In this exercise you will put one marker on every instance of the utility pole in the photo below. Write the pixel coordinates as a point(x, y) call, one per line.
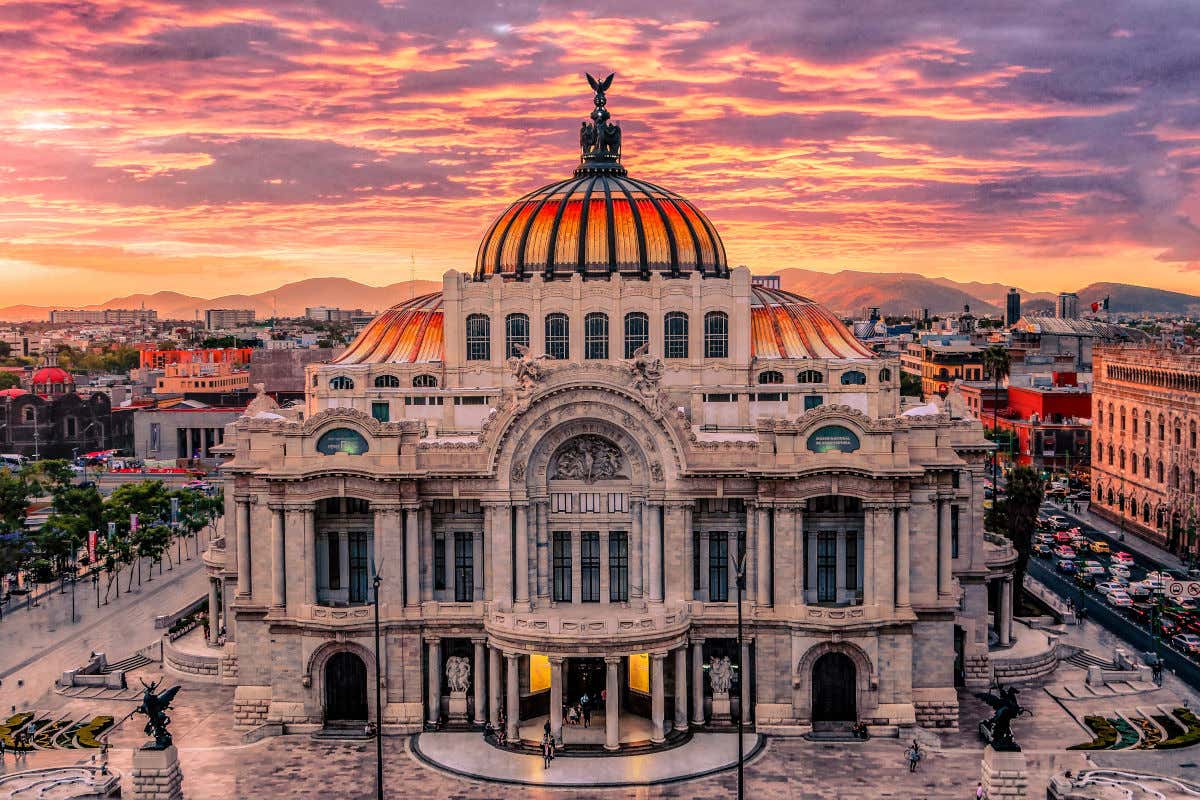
point(378, 696)
point(739, 568)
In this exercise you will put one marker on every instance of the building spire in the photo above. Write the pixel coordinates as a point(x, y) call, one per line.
point(600, 140)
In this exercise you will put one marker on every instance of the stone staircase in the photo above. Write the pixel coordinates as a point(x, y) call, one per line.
point(1084, 659)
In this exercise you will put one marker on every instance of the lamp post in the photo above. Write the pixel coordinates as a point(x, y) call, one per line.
point(378, 695)
point(739, 568)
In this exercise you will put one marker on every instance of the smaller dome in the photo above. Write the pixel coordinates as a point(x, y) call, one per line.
point(786, 325)
point(51, 375)
point(11, 393)
point(408, 333)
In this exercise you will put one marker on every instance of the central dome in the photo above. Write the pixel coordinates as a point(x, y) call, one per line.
point(601, 222)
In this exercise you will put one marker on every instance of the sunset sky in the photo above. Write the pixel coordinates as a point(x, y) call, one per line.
point(209, 147)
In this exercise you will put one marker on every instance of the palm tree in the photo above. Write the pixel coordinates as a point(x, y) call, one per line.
point(996, 365)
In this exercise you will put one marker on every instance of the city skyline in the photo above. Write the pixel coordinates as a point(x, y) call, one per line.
point(155, 147)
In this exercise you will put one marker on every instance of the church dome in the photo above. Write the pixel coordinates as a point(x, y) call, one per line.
point(786, 325)
point(47, 375)
point(601, 221)
point(408, 333)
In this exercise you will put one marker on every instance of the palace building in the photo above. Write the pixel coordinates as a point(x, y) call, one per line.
point(553, 470)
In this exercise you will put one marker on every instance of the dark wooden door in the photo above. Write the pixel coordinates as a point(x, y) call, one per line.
point(345, 688)
point(833, 688)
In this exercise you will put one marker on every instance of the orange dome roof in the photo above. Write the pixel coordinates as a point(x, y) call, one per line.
point(51, 375)
point(597, 223)
point(13, 392)
point(408, 333)
point(786, 325)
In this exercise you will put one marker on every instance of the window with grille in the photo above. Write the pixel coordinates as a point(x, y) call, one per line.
point(675, 335)
point(853, 378)
point(558, 336)
point(360, 562)
point(637, 332)
point(618, 566)
point(439, 563)
point(812, 401)
point(516, 332)
point(425, 382)
point(852, 561)
point(718, 567)
point(335, 561)
point(479, 337)
point(341, 383)
point(562, 566)
point(716, 334)
point(595, 336)
point(589, 567)
point(770, 376)
point(810, 376)
point(827, 567)
point(464, 567)
point(387, 382)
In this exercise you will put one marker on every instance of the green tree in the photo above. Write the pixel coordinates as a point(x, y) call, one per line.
point(5, 349)
point(197, 511)
point(150, 501)
point(50, 476)
point(9, 380)
point(15, 493)
point(1015, 515)
point(996, 366)
point(910, 385)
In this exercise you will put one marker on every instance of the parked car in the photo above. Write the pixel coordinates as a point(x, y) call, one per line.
point(1041, 549)
point(1092, 568)
point(1121, 557)
point(1100, 547)
point(1118, 599)
point(1187, 642)
point(1065, 566)
point(1064, 551)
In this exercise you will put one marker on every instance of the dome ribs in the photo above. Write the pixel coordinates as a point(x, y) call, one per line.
point(552, 244)
point(581, 253)
point(641, 231)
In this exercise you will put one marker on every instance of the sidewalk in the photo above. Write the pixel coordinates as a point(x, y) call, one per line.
point(1132, 542)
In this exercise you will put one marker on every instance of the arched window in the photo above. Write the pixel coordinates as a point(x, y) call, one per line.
point(1110, 416)
point(1110, 497)
point(1161, 518)
point(1133, 417)
point(1192, 481)
point(716, 335)
point(1099, 414)
point(770, 376)
point(595, 336)
point(1178, 433)
point(675, 335)
point(1146, 466)
point(1160, 472)
point(342, 440)
point(1122, 459)
point(479, 337)
point(1132, 507)
point(1146, 513)
point(1099, 494)
point(425, 381)
point(1162, 428)
point(558, 336)
point(1146, 426)
point(1122, 417)
point(810, 376)
point(637, 332)
point(853, 378)
point(1175, 477)
point(1192, 435)
point(1110, 455)
point(885, 375)
point(387, 382)
point(341, 383)
point(516, 333)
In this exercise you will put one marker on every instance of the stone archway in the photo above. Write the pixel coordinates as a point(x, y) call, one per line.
point(865, 697)
point(834, 688)
point(345, 682)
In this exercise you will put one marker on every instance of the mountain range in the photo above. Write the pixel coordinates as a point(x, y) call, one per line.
point(847, 292)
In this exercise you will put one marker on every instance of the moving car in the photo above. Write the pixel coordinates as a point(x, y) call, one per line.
point(1187, 642)
point(1168, 627)
point(1118, 599)
point(1119, 571)
point(1041, 549)
point(1100, 547)
point(1121, 557)
point(1063, 537)
point(1092, 568)
point(1107, 586)
point(1065, 566)
point(1059, 522)
point(1064, 551)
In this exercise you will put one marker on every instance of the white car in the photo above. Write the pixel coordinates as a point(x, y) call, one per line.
point(1119, 571)
point(1059, 522)
point(1109, 586)
point(1119, 600)
point(1092, 568)
point(1121, 557)
point(1161, 576)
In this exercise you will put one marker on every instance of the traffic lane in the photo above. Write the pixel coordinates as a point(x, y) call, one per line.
point(1140, 559)
point(1099, 611)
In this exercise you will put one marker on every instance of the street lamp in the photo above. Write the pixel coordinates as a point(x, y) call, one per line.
point(739, 569)
point(378, 695)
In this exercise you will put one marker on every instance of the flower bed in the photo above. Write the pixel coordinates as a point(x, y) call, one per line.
point(1186, 739)
point(1129, 736)
point(1105, 734)
point(86, 736)
point(11, 726)
point(1169, 724)
point(1151, 735)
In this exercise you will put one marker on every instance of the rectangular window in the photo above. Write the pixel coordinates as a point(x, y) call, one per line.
point(589, 567)
point(562, 566)
point(718, 567)
point(335, 561)
point(637, 332)
point(595, 336)
point(768, 397)
point(827, 567)
point(954, 531)
point(562, 502)
point(558, 336)
point(696, 566)
point(439, 563)
point(812, 401)
point(464, 568)
point(852, 560)
point(675, 335)
point(618, 566)
point(479, 338)
point(360, 562)
point(720, 397)
point(618, 503)
point(380, 411)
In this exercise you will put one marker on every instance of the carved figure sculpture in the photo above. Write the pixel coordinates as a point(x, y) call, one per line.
point(587, 458)
point(526, 368)
point(458, 673)
point(997, 731)
point(155, 706)
point(647, 370)
point(720, 675)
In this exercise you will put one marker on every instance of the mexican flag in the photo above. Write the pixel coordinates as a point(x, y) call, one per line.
point(1100, 304)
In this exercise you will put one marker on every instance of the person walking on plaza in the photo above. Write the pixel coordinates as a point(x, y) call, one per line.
point(979, 794)
point(585, 705)
point(547, 750)
point(914, 756)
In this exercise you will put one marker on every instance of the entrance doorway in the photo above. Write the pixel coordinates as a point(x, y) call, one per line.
point(345, 689)
point(585, 675)
point(833, 689)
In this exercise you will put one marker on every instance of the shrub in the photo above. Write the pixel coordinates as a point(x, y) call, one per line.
point(1190, 737)
point(1106, 734)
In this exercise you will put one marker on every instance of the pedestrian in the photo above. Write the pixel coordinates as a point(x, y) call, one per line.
point(1, 748)
point(546, 728)
point(913, 754)
point(979, 791)
point(547, 750)
point(586, 708)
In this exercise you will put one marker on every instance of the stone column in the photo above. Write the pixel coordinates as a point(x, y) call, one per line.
point(480, 676)
point(423, 552)
point(697, 682)
point(412, 556)
point(903, 569)
point(702, 556)
point(655, 545)
point(1004, 613)
point(612, 704)
point(435, 681)
point(310, 554)
point(745, 670)
point(945, 568)
point(751, 567)
point(214, 612)
point(278, 556)
point(556, 698)
point(156, 774)
point(635, 550)
point(884, 550)
point(521, 567)
point(494, 687)
point(801, 559)
point(500, 541)
point(543, 550)
point(839, 577)
point(477, 566)
point(681, 670)
point(765, 561)
point(514, 696)
point(685, 524)
point(243, 547)
point(657, 700)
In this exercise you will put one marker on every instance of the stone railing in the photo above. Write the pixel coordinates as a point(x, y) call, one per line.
point(572, 623)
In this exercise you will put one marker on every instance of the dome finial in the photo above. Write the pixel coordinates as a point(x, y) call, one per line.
point(600, 140)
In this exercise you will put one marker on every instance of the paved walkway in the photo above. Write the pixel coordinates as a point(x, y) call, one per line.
point(467, 755)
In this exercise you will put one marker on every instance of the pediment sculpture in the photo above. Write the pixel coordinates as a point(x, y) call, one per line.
point(587, 458)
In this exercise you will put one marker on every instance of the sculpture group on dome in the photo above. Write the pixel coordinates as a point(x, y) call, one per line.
point(600, 139)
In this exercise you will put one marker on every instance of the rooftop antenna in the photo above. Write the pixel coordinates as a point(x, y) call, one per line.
point(412, 275)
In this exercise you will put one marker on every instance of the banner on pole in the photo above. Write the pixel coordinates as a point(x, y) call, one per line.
point(91, 545)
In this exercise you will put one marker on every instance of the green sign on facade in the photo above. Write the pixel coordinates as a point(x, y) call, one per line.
point(833, 439)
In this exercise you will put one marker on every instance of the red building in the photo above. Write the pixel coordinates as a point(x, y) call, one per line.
point(1052, 424)
point(158, 359)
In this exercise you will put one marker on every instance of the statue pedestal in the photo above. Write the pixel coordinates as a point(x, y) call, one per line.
point(1004, 774)
point(720, 707)
point(156, 774)
point(458, 706)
